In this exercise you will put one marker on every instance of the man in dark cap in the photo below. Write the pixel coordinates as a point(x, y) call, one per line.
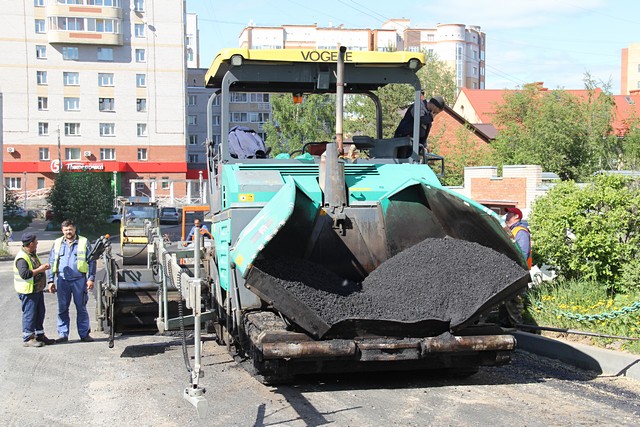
point(428, 110)
point(29, 281)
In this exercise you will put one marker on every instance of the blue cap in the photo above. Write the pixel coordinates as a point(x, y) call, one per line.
point(27, 238)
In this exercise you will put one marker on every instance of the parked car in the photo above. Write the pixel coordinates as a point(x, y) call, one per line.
point(169, 215)
point(115, 217)
point(14, 211)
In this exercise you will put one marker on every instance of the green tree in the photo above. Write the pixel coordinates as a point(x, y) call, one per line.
point(629, 150)
point(437, 78)
point(293, 125)
point(86, 198)
point(10, 200)
point(589, 232)
point(546, 128)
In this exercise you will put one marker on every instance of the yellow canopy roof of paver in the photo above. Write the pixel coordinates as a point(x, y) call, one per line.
point(309, 58)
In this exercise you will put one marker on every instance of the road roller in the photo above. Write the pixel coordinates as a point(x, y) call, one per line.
point(137, 213)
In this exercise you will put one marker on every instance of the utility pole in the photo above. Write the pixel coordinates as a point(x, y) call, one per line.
point(59, 156)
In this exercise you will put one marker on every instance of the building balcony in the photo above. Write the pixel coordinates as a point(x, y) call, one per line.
point(84, 37)
point(84, 24)
point(83, 11)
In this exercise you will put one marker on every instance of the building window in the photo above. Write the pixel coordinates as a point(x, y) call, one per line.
point(71, 79)
point(40, 183)
point(138, 5)
point(13, 183)
point(141, 104)
point(239, 117)
point(238, 97)
point(141, 129)
point(71, 104)
point(192, 100)
point(139, 30)
point(72, 153)
point(43, 153)
point(193, 139)
point(164, 183)
point(41, 77)
point(193, 158)
point(216, 139)
point(216, 101)
point(474, 73)
point(72, 129)
point(69, 53)
point(142, 154)
point(40, 26)
point(141, 80)
point(41, 51)
point(106, 104)
point(259, 97)
point(67, 24)
point(38, 3)
point(43, 128)
point(192, 120)
point(216, 120)
point(107, 129)
point(103, 25)
point(258, 117)
point(43, 103)
point(105, 79)
point(107, 154)
point(105, 54)
point(141, 55)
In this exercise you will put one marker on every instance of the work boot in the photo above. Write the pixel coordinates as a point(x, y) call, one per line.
point(87, 338)
point(32, 343)
point(62, 339)
point(46, 341)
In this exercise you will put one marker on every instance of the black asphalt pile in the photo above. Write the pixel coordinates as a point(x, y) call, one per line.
point(438, 279)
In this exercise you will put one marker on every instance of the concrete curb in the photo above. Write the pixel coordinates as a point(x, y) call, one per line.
point(581, 356)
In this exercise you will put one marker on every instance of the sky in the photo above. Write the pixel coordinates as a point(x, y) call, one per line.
point(551, 41)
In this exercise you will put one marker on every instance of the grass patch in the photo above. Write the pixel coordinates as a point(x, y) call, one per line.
point(586, 306)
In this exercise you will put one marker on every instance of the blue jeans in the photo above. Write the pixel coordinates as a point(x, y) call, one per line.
point(78, 290)
point(32, 314)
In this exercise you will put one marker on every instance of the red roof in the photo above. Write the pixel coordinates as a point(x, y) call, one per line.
point(627, 108)
point(485, 102)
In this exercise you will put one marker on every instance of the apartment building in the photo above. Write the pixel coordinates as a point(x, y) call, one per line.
point(94, 86)
point(197, 99)
point(461, 46)
point(630, 69)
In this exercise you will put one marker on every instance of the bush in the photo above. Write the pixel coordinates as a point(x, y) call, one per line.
point(589, 232)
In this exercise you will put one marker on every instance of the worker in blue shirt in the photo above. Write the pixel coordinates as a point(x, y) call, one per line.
point(74, 277)
point(204, 231)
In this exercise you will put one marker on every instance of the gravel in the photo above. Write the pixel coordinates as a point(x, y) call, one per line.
point(439, 279)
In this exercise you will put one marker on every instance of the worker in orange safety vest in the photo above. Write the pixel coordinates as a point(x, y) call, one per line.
point(520, 233)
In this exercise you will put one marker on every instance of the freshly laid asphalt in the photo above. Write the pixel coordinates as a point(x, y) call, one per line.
point(602, 361)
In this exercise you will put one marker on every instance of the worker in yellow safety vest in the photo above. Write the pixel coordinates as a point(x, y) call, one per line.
point(29, 281)
point(520, 233)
